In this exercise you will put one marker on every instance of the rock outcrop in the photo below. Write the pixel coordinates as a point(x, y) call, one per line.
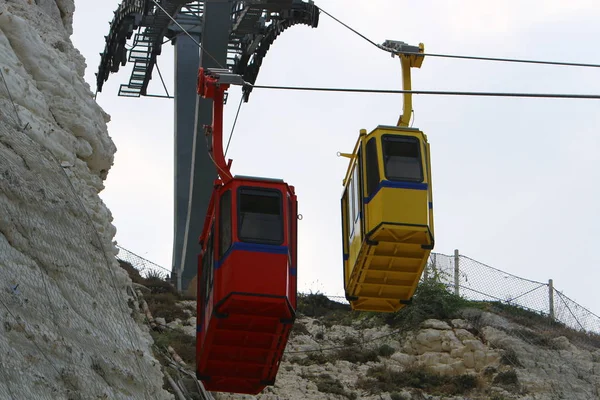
point(66, 330)
point(480, 355)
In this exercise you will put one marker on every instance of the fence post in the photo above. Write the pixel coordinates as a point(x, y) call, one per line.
point(551, 297)
point(456, 272)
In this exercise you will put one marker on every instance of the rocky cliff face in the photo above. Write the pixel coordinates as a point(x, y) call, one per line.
point(66, 330)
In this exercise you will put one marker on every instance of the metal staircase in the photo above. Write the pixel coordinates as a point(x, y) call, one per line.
point(135, 15)
point(141, 56)
point(148, 44)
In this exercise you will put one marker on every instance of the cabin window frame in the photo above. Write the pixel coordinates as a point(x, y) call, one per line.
point(208, 261)
point(350, 201)
point(420, 158)
point(260, 191)
point(372, 167)
point(225, 242)
point(346, 218)
point(356, 193)
point(354, 197)
point(289, 228)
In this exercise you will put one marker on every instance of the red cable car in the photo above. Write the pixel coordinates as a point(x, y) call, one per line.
point(247, 269)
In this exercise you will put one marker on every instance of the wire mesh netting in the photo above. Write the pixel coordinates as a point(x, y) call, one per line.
point(479, 282)
point(67, 328)
point(575, 315)
point(144, 266)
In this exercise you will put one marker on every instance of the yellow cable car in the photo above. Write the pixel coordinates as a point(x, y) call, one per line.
point(387, 208)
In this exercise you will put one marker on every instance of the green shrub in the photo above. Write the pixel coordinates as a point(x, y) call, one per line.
point(506, 378)
point(385, 350)
point(350, 341)
point(156, 274)
point(381, 379)
point(133, 273)
point(299, 329)
point(431, 300)
point(317, 305)
point(312, 358)
point(328, 384)
point(534, 338)
point(330, 313)
point(182, 343)
point(509, 357)
point(356, 355)
point(164, 305)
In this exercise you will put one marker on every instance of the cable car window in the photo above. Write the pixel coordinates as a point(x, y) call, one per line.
point(372, 167)
point(290, 216)
point(207, 266)
point(350, 203)
point(356, 194)
point(346, 216)
point(402, 158)
point(224, 223)
point(260, 217)
point(351, 210)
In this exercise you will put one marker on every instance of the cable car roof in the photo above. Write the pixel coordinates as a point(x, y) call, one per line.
point(397, 128)
point(256, 178)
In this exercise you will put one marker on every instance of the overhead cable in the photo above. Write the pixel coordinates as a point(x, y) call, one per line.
point(233, 126)
point(352, 29)
point(11, 98)
point(498, 59)
point(162, 80)
point(511, 60)
point(435, 92)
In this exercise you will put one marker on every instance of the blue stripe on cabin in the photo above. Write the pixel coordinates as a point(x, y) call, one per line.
point(253, 247)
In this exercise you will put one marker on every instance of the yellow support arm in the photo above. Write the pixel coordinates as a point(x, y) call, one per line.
point(410, 57)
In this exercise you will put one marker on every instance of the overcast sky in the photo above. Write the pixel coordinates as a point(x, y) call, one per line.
point(515, 180)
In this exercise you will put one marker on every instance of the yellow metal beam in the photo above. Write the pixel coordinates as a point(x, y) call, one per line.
point(408, 61)
point(363, 132)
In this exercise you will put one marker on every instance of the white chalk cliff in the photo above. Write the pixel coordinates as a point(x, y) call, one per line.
point(66, 330)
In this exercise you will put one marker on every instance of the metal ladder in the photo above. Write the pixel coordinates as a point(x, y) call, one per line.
point(148, 45)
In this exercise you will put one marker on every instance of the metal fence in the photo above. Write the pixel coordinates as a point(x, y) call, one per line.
point(479, 282)
point(473, 281)
point(144, 266)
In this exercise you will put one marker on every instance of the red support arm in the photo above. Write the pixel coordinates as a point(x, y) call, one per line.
point(209, 87)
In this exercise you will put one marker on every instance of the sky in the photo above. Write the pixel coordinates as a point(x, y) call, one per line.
point(514, 180)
